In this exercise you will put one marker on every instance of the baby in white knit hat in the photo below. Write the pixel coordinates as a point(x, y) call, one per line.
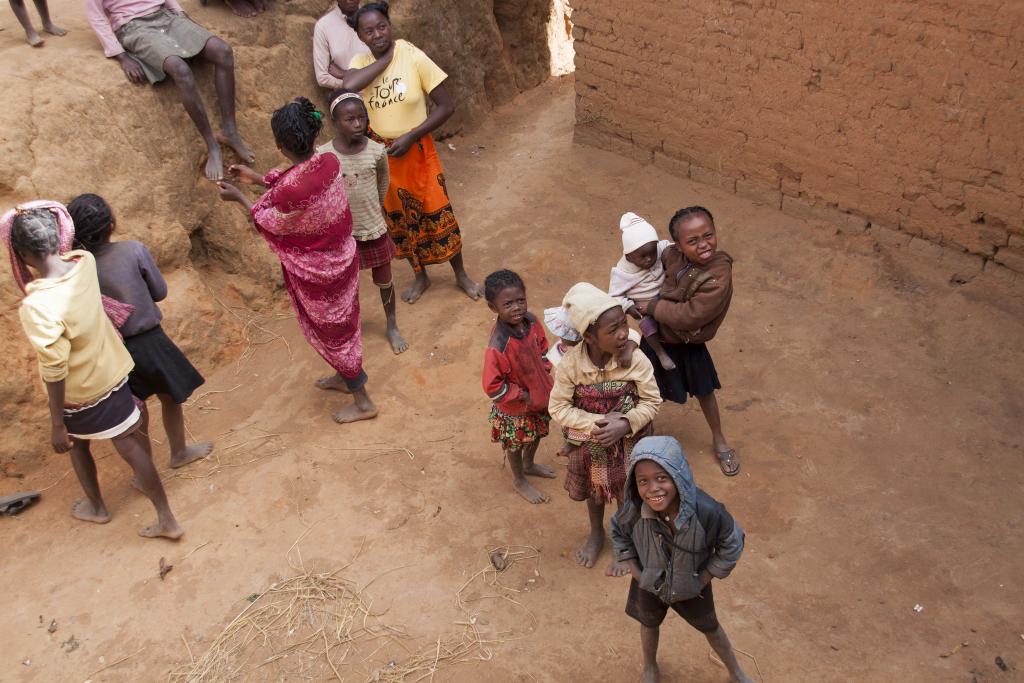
point(639, 274)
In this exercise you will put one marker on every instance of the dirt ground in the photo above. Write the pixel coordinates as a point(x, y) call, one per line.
point(876, 407)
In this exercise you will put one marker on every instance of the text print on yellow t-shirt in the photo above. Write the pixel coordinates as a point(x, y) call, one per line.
point(387, 92)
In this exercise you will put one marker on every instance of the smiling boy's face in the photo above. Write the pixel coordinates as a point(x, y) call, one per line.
point(656, 486)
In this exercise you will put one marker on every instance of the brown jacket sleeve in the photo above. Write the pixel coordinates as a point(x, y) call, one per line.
point(703, 307)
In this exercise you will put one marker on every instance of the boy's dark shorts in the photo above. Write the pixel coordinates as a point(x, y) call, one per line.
point(649, 610)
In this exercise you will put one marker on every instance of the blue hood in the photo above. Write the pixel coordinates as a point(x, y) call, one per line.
point(667, 452)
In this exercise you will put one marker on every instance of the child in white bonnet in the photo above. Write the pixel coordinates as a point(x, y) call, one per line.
point(639, 274)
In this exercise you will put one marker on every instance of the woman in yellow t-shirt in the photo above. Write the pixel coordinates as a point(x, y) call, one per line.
point(396, 79)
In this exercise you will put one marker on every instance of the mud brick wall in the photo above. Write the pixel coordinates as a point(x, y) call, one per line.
point(903, 117)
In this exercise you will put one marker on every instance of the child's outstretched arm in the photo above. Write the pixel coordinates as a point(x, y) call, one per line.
point(497, 386)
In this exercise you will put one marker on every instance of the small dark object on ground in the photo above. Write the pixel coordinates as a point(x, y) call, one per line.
point(1001, 664)
point(498, 560)
point(16, 502)
point(164, 568)
point(71, 644)
point(52, 628)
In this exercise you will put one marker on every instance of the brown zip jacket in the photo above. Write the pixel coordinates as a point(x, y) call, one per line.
point(693, 300)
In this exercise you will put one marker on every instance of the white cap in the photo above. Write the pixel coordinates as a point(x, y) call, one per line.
point(636, 232)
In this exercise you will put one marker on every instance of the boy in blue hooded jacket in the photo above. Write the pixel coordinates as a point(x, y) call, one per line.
point(675, 539)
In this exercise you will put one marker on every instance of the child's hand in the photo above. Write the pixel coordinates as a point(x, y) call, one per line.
point(59, 439)
point(611, 429)
point(230, 193)
point(635, 312)
point(625, 358)
point(132, 69)
point(641, 307)
point(244, 174)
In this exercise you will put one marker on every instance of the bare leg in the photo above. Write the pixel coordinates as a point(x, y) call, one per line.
point(21, 12)
point(395, 338)
point(422, 284)
point(91, 508)
point(590, 550)
point(659, 350)
point(471, 288)
point(723, 648)
point(174, 424)
point(649, 646)
point(132, 448)
point(709, 406)
point(223, 58)
point(181, 74)
point(48, 25)
point(530, 468)
point(519, 483)
point(362, 408)
point(333, 382)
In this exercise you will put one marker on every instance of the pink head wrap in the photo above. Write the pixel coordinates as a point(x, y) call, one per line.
point(117, 311)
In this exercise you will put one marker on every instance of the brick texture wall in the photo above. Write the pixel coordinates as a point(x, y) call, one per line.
point(904, 116)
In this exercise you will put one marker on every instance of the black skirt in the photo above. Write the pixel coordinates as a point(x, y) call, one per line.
point(160, 367)
point(694, 375)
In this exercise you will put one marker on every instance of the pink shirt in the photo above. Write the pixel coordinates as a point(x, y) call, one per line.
point(334, 41)
point(106, 16)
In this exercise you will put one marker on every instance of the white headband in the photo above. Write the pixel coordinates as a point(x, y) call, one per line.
point(344, 96)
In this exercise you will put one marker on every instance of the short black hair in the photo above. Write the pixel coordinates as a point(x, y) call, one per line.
point(93, 221)
point(296, 126)
point(501, 280)
point(382, 7)
point(35, 232)
point(685, 213)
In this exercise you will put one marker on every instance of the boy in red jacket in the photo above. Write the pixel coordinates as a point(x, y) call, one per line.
point(517, 377)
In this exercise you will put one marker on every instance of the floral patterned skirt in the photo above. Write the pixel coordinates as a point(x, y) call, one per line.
point(515, 431)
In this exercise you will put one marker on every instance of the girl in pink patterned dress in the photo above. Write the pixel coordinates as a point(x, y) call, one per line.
point(305, 218)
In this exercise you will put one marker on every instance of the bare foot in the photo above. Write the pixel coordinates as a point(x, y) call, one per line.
point(196, 451)
point(333, 382)
point(214, 163)
point(171, 531)
point(526, 490)
point(83, 509)
point(34, 39)
point(666, 362)
point(616, 569)
point(471, 288)
point(235, 142)
point(54, 30)
point(742, 678)
point(422, 284)
point(591, 548)
point(353, 413)
point(397, 341)
point(651, 674)
point(242, 8)
point(536, 470)
point(566, 450)
point(260, 5)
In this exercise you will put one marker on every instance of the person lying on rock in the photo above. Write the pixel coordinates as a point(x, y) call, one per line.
point(152, 39)
point(335, 44)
